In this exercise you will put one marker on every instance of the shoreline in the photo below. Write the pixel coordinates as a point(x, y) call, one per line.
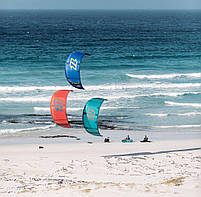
point(80, 136)
point(170, 167)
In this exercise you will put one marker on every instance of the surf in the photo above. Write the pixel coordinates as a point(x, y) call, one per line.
point(178, 126)
point(183, 104)
point(11, 89)
point(166, 76)
point(12, 131)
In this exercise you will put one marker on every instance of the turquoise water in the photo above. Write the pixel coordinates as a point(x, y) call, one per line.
point(146, 63)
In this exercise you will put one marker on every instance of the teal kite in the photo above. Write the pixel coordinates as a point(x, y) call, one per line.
point(90, 115)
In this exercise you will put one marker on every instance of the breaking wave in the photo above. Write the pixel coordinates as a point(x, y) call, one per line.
point(178, 126)
point(166, 76)
point(158, 115)
point(174, 114)
point(42, 99)
point(10, 131)
point(47, 109)
point(11, 89)
point(183, 104)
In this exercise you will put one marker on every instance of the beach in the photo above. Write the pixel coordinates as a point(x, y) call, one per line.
point(144, 64)
point(159, 168)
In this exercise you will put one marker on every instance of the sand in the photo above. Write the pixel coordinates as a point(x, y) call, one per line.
point(160, 168)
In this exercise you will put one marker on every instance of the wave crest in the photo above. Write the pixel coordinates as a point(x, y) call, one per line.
point(174, 114)
point(10, 131)
point(178, 126)
point(183, 104)
point(11, 89)
point(166, 76)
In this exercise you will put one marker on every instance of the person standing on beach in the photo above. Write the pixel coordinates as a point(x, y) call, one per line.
point(107, 139)
point(128, 137)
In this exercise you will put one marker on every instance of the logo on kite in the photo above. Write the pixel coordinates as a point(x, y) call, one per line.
point(58, 108)
point(73, 64)
point(72, 69)
point(90, 115)
point(58, 105)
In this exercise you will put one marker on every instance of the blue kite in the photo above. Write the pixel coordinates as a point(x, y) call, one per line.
point(72, 69)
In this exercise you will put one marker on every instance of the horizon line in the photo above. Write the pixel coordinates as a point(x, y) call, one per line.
point(108, 9)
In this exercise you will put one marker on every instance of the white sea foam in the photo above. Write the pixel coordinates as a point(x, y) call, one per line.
point(189, 114)
point(174, 114)
point(166, 76)
point(26, 99)
point(47, 109)
point(41, 99)
point(30, 88)
point(44, 109)
point(171, 94)
point(178, 126)
point(11, 89)
point(158, 115)
point(145, 85)
point(81, 97)
point(183, 104)
point(10, 131)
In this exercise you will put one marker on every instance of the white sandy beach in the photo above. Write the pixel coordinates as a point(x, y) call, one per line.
point(160, 168)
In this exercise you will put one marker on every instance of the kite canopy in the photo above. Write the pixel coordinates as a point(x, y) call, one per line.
point(58, 108)
point(90, 115)
point(72, 69)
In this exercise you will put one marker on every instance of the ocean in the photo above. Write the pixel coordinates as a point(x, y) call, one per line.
point(146, 63)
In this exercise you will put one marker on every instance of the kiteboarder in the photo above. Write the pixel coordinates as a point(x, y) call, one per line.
point(128, 137)
point(146, 139)
point(107, 139)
